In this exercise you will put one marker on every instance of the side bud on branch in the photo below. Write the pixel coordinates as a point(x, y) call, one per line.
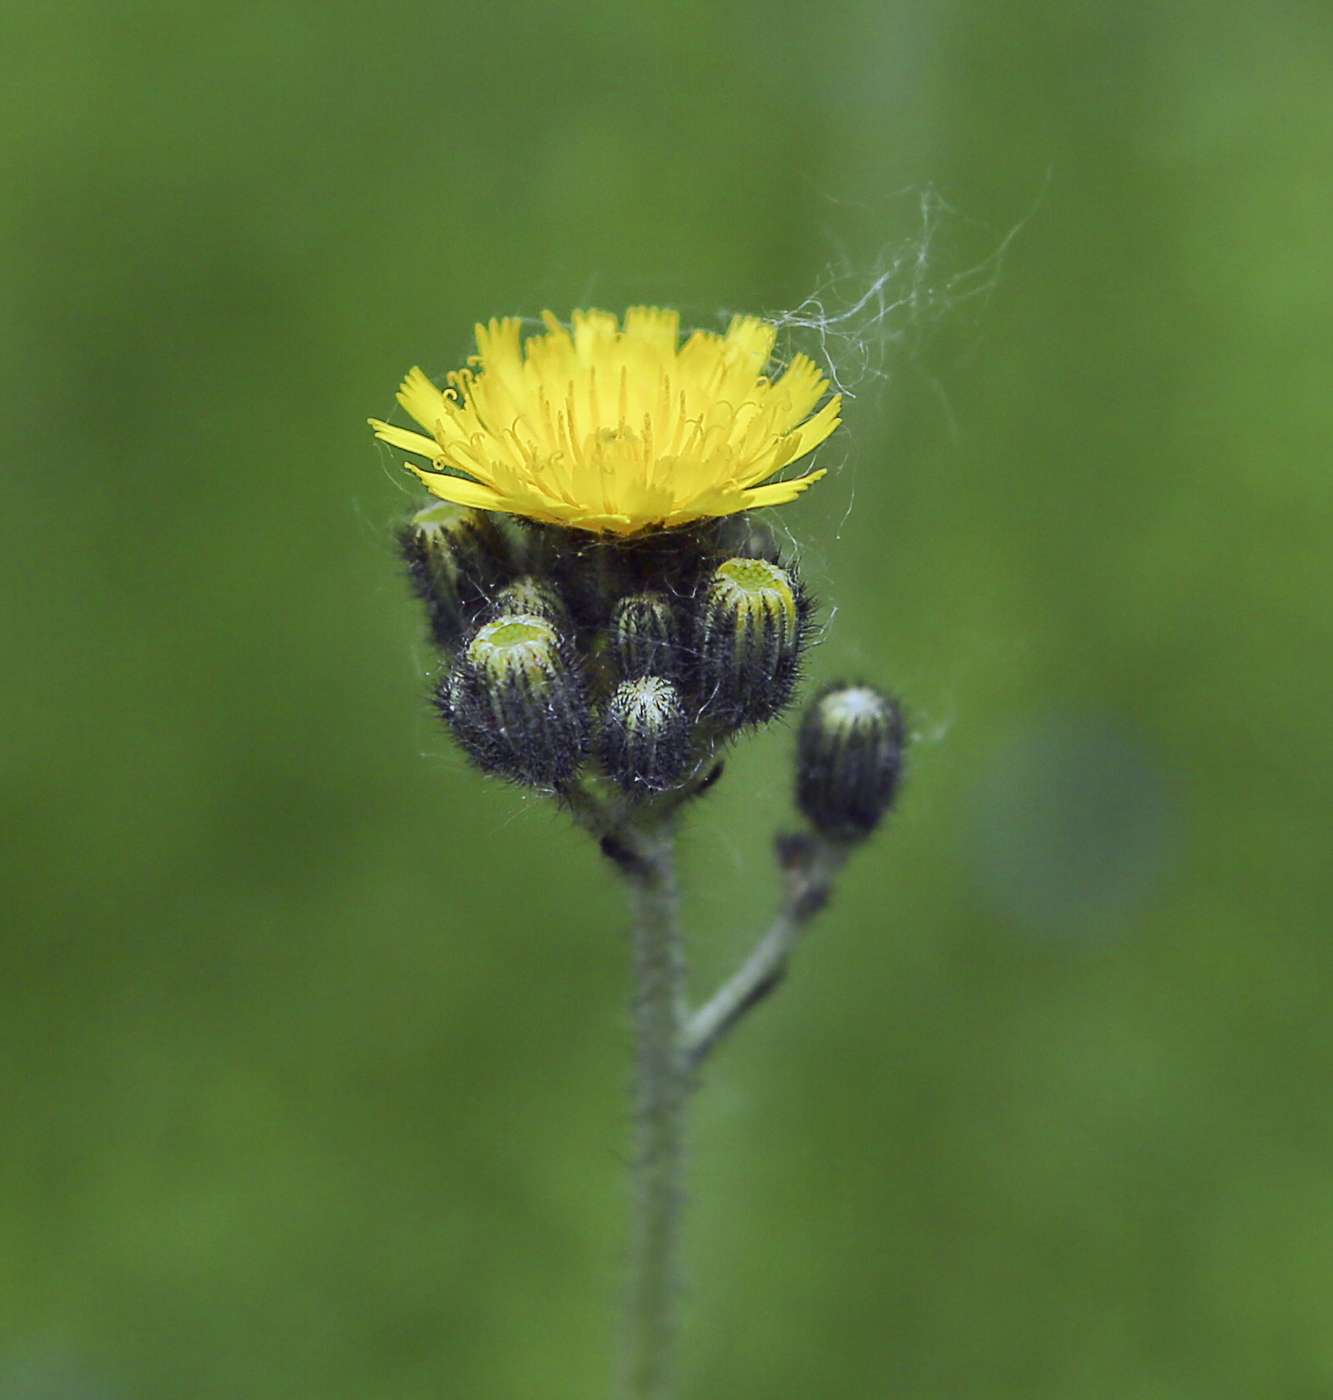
point(516, 702)
point(750, 631)
point(645, 742)
point(849, 760)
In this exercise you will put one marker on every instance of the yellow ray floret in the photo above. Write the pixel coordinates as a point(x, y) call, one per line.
point(615, 429)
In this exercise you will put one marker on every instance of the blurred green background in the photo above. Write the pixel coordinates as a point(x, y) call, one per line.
point(312, 1042)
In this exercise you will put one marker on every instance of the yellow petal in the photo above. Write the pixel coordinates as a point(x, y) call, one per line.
point(405, 439)
point(801, 386)
point(754, 337)
point(658, 329)
point(498, 344)
point(616, 426)
point(422, 400)
point(779, 492)
point(594, 335)
point(811, 433)
point(458, 490)
point(612, 524)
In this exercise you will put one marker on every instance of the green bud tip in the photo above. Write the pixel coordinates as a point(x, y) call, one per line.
point(518, 643)
point(532, 596)
point(750, 630)
point(515, 701)
point(444, 518)
point(755, 588)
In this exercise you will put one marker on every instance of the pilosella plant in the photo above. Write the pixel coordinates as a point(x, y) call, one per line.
point(611, 617)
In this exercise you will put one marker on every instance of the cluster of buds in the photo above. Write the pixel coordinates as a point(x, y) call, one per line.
point(568, 653)
point(604, 634)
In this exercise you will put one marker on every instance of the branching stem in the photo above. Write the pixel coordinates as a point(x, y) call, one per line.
point(809, 867)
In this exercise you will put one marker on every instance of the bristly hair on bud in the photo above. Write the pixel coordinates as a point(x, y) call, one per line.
point(530, 594)
point(751, 625)
point(455, 556)
point(515, 701)
point(644, 636)
point(645, 739)
point(849, 760)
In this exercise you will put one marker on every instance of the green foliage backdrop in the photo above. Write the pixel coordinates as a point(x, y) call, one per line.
point(312, 1043)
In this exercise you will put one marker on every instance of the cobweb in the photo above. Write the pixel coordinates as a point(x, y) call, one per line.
point(858, 314)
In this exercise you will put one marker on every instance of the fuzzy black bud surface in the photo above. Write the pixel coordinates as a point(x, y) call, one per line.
point(849, 760)
point(516, 701)
point(750, 629)
point(645, 739)
point(749, 537)
point(454, 556)
point(529, 594)
point(644, 636)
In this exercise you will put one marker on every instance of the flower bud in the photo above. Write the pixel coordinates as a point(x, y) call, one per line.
point(645, 741)
point(590, 572)
point(748, 536)
point(516, 703)
point(749, 633)
point(644, 636)
point(531, 595)
point(453, 556)
point(849, 760)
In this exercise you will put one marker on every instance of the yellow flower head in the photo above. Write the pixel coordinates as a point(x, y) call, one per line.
point(616, 430)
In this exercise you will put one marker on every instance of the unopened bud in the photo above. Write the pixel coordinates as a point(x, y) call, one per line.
point(531, 595)
point(453, 556)
point(516, 703)
point(749, 634)
point(748, 536)
point(849, 760)
point(644, 636)
point(645, 743)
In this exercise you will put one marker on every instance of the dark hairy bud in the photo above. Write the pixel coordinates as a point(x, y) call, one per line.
point(750, 629)
point(644, 636)
point(849, 760)
point(516, 703)
point(531, 595)
point(748, 536)
point(453, 555)
point(645, 739)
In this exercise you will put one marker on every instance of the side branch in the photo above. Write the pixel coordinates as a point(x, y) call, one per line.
point(809, 866)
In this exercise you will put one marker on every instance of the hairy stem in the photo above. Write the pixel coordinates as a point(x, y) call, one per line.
point(659, 1117)
point(809, 866)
